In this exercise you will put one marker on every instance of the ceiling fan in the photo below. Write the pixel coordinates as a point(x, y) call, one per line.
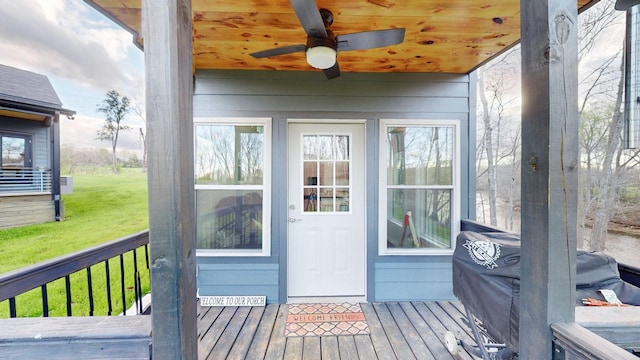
point(323, 45)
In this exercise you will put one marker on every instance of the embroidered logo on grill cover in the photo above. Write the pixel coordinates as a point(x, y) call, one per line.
point(483, 253)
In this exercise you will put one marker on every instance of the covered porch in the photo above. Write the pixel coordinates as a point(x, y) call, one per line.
point(176, 45)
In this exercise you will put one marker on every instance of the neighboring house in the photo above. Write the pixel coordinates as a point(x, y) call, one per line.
point(30, 137)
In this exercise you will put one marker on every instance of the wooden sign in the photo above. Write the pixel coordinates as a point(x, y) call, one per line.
point(233, 300)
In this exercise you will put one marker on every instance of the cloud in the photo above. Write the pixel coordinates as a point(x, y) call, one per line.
point(63, 38)
point(83, 54)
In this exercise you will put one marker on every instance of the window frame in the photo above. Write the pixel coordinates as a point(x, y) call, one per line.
point(383, 186)
point(266, 123)
point(28, 151)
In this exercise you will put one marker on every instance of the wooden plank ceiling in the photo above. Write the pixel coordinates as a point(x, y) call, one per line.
point(453, 36)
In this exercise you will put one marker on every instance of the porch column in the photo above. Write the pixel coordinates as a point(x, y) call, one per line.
point(167, 47)
point(55, 165)
point(549, 171)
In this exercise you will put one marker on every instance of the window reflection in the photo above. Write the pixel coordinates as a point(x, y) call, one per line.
point(13, 152)
point(229, 154)
point(230, 187)
point(419, 181)
point(420, 156)
point(326, 173)
point(229, 219)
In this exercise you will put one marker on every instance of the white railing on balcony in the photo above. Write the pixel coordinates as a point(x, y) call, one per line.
point(25, 181)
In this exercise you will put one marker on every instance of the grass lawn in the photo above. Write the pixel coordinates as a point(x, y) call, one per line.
point(102, 208)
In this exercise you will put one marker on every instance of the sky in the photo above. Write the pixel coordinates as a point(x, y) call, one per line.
point(84, 55)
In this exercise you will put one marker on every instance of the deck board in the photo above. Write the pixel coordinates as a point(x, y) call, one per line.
point(311, 349)
point(246, 335)
point(347, 348)
point(329, 345)
point(224, 344)
point(398, 330)
point(379, 339)
point(262, 335)
point(277, 341)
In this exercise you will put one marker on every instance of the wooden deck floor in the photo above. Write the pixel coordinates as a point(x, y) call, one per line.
point(399, 330)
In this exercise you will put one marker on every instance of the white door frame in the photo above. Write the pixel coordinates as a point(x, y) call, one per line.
point(315, 298)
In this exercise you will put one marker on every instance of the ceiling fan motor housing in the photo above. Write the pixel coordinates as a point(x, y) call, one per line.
point(321, 53)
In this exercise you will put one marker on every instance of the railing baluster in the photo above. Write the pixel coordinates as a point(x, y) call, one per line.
point(12, 307)
point(146, 255)
point(139, 289)
point(136, 278)
point(107, 276)
point(90, 291)
point(124, 302)
point(67, 286)
point(45, 301)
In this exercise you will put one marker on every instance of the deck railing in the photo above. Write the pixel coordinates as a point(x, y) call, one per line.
point(25, 180)
point(95, 263)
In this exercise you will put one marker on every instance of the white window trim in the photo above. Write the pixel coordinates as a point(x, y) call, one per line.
point(382, 187)
point(266, 187)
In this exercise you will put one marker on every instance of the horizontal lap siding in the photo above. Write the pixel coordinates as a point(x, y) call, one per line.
point(238, 279)
point(25, 210)
point(404, 281)
point(268, 92)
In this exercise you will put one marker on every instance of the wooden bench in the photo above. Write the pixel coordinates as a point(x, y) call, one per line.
point(619, 325)
point(107, 337)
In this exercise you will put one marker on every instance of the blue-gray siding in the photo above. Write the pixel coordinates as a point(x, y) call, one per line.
point(238, 279)
point(284, 95)
point(401, 281)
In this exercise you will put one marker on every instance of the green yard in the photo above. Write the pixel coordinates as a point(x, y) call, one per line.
point(103, 207)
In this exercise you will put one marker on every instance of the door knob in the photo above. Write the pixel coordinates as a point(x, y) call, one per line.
point(292, 219)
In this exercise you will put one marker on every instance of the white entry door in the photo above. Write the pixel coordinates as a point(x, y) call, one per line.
point(326, 228)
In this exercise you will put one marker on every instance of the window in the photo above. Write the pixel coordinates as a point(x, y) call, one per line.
point(418, 187)
point(232, 177)
point(16, 152)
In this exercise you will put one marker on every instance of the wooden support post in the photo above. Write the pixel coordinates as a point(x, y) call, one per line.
point(167, 46)
point(549, 171)
point(55, 166)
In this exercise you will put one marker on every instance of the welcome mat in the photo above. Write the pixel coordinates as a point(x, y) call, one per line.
point(325, 320)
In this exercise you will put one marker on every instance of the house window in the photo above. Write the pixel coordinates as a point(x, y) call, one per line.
point(16, 152)
point(232, 177)
point(418, 187)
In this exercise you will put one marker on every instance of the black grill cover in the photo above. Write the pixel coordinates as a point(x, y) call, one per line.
point(486, 279)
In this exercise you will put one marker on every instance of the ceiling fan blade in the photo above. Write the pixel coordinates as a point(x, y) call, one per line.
point(370, 39)
point(279, 51)
point(626, 4)
point(309, 16)
point(332, 72)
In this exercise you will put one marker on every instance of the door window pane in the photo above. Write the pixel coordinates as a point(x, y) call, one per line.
point(326, 173)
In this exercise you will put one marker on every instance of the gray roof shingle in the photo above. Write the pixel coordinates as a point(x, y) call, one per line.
point(28, 88)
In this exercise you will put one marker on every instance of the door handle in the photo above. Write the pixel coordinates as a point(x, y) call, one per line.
point(292, 220)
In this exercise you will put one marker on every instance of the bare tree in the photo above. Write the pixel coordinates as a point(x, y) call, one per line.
point(115, 109)
point(138, 109)
point(494, 84)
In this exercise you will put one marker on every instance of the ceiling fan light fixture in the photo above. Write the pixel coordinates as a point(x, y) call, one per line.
point(321, 57)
